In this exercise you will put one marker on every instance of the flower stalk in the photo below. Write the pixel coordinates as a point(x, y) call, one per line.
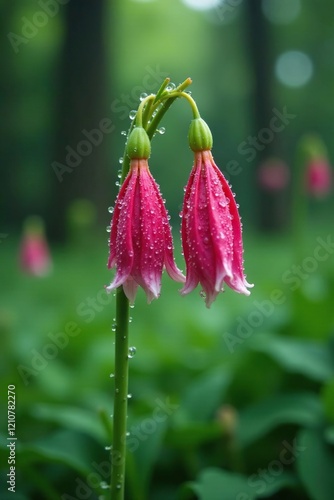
point(149, 115)
point(141, 242)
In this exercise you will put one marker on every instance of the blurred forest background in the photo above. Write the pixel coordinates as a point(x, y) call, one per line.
point(251, 375)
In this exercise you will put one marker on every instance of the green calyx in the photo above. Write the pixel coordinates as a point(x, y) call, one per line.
point(200, 137)
point(139, 145)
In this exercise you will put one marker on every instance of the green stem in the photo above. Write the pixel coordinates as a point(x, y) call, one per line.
point(118, 454)
point(191, 102)
point(165, 106)
point(299, 204)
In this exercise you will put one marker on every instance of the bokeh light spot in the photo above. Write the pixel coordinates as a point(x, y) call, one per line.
point(281, 11)
point(294, 68)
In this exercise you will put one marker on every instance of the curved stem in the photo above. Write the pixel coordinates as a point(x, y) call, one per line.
point(166, 105)
point(191, 102)
point(118, 453)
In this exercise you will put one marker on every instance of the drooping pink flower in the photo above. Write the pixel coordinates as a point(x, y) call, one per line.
point(211, 232)
point(318, 177)
point(141, 241)
point(35, 256)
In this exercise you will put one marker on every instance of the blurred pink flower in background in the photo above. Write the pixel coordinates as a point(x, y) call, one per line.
point(273, 174)
point(34, 254)
point(318, 177)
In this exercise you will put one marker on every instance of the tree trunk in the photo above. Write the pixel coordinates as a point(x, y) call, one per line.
point(84, 126)
point(271, 205)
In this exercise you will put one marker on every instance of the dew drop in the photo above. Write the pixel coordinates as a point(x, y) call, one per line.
point(171, 86)
point(108, 229)
point(143, 96)
point(132, 306)
point(161, 130)
point(107, 448)
point(132, 114)
point(110, 210)
point(112, 375)
point(132, 352)
point(127, 434)
point(104, 485)
point(130, 319)
point(123, 132)
point(129, 396)
point(120, 160)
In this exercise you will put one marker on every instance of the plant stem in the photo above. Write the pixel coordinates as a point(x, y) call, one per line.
point(118, 453)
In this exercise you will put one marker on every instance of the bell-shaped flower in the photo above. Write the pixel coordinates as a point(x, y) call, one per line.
point(211, 227)
point(141, 243)
point(35, 258)
point(318, 177)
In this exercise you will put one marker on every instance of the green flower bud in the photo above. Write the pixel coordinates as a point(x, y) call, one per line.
point(139, 145)
point(200, 137)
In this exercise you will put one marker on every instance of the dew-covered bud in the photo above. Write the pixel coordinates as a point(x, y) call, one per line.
point(200, 137)
point(139, 145)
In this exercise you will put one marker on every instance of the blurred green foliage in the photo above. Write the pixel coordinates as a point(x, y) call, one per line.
point(231, 403)
point(217, 395)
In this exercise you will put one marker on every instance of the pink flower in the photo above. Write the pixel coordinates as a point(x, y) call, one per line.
point(273, 175)
point(141, 240)
point(318, 177)
point(34, 251)
point(211, 232)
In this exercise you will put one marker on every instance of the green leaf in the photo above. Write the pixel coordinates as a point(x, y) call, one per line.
point(144, 445)
point(205, 395)
point(194, 434)
point(315, 464)
point(78, 419)
point(298, 408)
point(215, 484)
point(63, 447)
point(328, 400)
point(312, 359)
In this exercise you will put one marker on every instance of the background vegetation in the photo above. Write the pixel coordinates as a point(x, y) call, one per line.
point(231, 403)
